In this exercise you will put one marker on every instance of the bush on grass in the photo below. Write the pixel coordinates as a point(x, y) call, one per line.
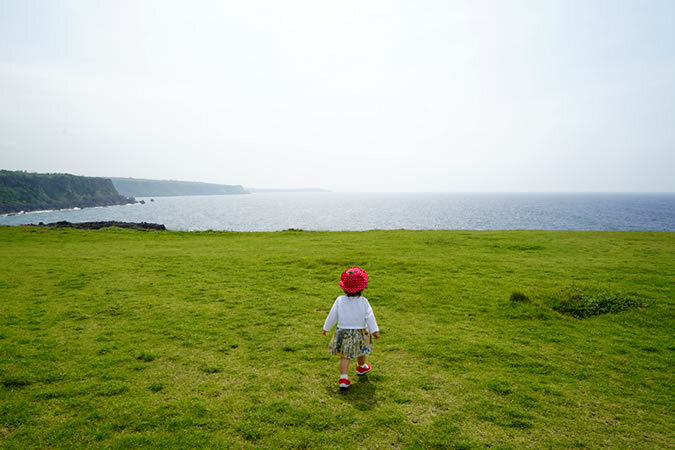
point(581, 304)
point(146, 357)
point(519, 297)
point(15, 381)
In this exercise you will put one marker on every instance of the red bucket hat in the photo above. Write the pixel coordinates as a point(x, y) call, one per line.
point(354, 279)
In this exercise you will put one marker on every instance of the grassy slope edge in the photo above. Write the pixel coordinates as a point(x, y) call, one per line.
point(128, 338)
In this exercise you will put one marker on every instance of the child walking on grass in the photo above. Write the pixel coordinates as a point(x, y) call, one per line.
point(356, 325)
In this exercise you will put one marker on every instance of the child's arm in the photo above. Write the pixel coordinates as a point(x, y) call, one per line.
point(371, 323)
point(332, 318)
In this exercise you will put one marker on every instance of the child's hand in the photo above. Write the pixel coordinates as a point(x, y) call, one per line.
point(324, 332)
point(376, 334)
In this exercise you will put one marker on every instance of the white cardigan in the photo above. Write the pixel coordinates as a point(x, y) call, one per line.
point(351, 313)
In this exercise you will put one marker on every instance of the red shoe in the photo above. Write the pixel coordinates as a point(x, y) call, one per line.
point(344, 383)
point(362, 370)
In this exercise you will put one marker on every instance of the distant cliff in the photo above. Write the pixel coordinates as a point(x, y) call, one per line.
point(272, 191)
point(23, 191)
point(137, 187)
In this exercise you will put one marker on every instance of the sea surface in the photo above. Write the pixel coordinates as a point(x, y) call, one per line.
point(416, 211)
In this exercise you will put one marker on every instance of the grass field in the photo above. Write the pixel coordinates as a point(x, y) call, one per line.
point(118, 338)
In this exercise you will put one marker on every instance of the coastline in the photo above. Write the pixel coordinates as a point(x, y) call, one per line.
point(360, 212)
point(69, 206)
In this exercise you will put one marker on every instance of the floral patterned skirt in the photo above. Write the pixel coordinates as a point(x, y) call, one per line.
point(348, 343)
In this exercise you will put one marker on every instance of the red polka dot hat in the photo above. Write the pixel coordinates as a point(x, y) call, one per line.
point(354, 279)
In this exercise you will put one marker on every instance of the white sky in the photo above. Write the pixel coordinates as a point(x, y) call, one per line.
point(572, 95)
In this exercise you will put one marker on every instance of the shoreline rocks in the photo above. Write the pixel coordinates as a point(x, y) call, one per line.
point(98, 225)
point(58, 205)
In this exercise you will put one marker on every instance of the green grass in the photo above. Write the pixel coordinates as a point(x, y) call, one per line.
point(120, 338)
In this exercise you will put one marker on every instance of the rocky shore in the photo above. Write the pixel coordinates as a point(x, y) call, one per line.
point(99, 225)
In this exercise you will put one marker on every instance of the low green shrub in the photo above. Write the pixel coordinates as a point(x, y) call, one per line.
point(15, 381)
point(581, 304)
point(145, 356)
point(156, 387)
point(519, 297)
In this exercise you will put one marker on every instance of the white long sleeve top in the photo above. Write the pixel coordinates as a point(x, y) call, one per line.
point(351, 313)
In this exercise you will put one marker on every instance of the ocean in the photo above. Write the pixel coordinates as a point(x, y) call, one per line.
point(334, 211)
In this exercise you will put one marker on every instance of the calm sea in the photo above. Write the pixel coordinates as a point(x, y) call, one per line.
point(416, 211)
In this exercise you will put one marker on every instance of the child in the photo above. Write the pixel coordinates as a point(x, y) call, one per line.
point(355, 319)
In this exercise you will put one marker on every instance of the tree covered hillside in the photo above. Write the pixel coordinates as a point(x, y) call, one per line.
point(23, 191)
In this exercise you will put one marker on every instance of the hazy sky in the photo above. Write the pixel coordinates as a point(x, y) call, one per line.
point(537, 95)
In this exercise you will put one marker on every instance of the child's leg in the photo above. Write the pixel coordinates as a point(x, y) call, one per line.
point(361, 360)
point(344, 366)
